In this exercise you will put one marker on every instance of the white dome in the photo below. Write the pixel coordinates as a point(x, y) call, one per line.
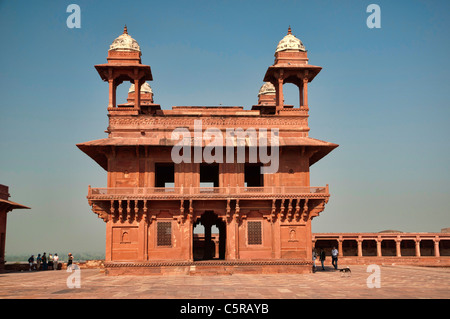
point(124, 42)
point(145, 88)
point(267, 88)
point(290, 42)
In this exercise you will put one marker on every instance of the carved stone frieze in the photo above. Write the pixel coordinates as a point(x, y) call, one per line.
point(172, 122)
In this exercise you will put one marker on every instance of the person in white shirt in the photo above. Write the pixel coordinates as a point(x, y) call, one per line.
point(334, 257)
point(55, 261)
point(314, 257)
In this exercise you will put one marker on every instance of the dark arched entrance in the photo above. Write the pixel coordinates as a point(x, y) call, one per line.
point(208, 246)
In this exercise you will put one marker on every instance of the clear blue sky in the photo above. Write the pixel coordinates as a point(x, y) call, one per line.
point(383, 96)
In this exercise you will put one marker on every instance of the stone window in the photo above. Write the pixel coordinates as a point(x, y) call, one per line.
point(254, 234)
point(164, 174)
point(252, 175)
point(164, 234)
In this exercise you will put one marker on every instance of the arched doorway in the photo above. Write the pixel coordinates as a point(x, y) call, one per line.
point(209, 245)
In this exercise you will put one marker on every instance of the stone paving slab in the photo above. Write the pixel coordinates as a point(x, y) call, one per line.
point(396, 282)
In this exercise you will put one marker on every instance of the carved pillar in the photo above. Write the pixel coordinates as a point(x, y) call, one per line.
point(137, 93)
point(436, 247)
point(108, 247)
point(207, 253)
point(190, 225)
point(237, 211)
point(417, 241)
point(300, 88)
point(120, 210)
point(279, 91)
point(112, 93)
point(216, 250)
point(305, 93)
point(398, 243)
point(379, 254)
point(340, 252)
point(359, 241)
point(112, 210)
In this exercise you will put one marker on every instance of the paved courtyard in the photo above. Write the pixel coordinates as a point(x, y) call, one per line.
point(395, 282)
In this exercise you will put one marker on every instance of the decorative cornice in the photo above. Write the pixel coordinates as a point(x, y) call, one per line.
point(225, 121)
point(178, 197)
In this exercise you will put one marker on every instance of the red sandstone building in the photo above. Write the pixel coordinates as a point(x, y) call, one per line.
point(262, 222)
point(151, 204)
point(5, 206)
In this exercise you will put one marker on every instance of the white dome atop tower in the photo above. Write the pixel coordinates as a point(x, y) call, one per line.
point(290, 42)
point(125, 42)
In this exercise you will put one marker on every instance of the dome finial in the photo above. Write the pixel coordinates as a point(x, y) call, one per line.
point(289, 30)
point(125, 31)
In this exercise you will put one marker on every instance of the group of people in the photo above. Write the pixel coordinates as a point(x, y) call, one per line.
point(334, 258)
point(47, 262)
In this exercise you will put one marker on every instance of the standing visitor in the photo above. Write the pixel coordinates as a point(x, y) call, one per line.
point(334, 257)
point(50, 261)
point(314, 257)
point(31, 261)
point(44, 261)
point(322, 258)
point(70, 260)
point(55, 261)
point(38, 261)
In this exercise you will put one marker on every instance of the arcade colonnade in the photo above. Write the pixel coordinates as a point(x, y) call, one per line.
point(384, 244)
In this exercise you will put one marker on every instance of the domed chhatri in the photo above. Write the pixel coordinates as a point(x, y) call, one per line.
point(124, 42)
point(267, 88)
point(145, 88)
point(290, 42)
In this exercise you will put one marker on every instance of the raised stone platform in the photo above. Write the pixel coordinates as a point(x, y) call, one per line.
point(209, 267)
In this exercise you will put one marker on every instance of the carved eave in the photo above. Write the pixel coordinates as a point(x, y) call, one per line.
point(290, 72)
point(317, 207)
point(124, 72)
point(97, 153)
point(7, 206)
point(98, 149)
point(100, 211)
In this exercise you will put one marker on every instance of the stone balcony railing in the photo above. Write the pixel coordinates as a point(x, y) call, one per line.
point(235, 192)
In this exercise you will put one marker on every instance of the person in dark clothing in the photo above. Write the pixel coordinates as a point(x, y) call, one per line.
point(70, 260)
point(44, 261)
point(31, 262)
point(38, 261)
point(322, 258)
